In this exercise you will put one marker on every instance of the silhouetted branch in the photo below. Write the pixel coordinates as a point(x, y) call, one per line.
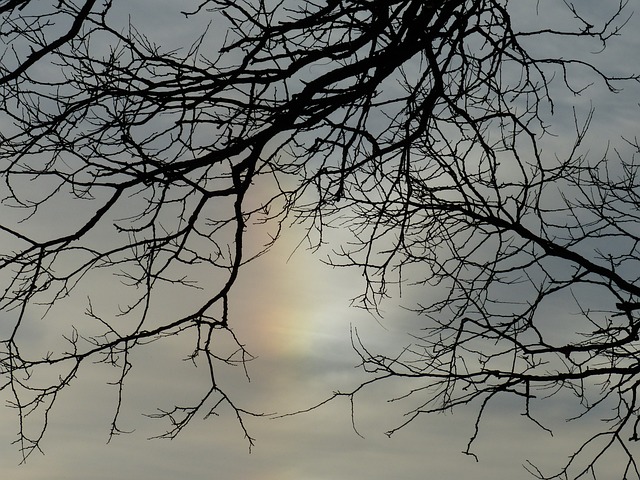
point(415, 126)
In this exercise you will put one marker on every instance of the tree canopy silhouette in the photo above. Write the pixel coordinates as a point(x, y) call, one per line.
point(415, 126)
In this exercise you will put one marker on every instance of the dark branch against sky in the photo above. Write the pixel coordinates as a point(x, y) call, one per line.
point(465, 169)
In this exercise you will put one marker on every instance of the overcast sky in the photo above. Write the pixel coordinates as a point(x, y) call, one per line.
point(294, 316)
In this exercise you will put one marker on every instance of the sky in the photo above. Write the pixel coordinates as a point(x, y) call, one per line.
point(293, 313)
